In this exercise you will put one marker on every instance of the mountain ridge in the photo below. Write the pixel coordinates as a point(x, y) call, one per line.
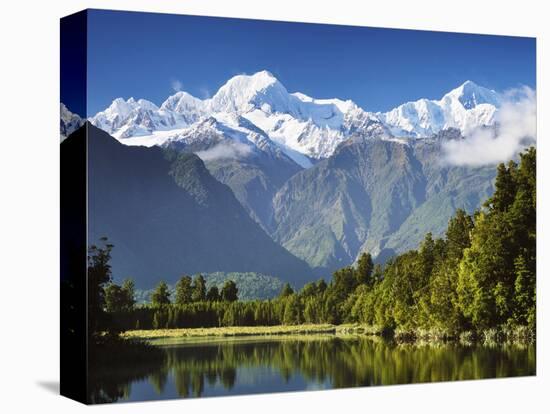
point(305, 128)
point(323, 178)
point(167, 215)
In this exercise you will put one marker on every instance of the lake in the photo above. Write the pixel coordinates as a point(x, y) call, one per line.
point(250, 365)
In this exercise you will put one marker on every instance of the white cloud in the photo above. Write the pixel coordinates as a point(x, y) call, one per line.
point(516, 129)
point(225, 150)
point(176, 85)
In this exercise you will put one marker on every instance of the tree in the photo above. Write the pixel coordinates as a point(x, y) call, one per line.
point(119, 298)
point(115, 298)
point(184, 290)
point(427, 256)
point(505, 188)
point(444, 312)
point(458, 234)
point(292, 312)
point(321, 286)
point(229, 291)
point(161, 295)
point(312, 310)
point(343, 282)
point(404, 285)
point(286, 290)
point(199, 289)
point(129, 291)
point(525, 293)
point(502, 250)
point(363, 272)
point(309, 289)
point(213, 294)
point(377, 273)
point(99, 275)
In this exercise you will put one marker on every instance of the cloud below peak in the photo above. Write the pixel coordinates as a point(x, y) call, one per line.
point(225, 150)
point(516, 129)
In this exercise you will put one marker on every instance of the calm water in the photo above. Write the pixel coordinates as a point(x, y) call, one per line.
point(259, 365)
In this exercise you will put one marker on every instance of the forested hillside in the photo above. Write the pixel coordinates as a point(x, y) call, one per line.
point(480, 275)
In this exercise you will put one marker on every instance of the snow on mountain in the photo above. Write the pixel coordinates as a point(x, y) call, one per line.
point(243, 93)
point(309, 126)
point(230, 138)
point(69, 122)
point(467, 107)
point(302, 127)
point(191, 109)
point(131, 118)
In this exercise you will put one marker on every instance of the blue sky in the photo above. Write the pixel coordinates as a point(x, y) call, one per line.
point(145, 55)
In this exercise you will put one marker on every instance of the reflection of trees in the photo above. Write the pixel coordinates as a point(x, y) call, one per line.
point(343, 362)
point(110, 382)
point(158, 380)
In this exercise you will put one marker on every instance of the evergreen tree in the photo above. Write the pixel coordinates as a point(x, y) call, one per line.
point(365, 267)
point(161, 295)
point(286, 290)
point(312, 310)
point(428, 255)
point(458, 234)
point(309, 289)
point(129, 291)
point(343, 282)
point(505, 188)
point(525, 291)
point(444, 312)
point(99, 276)
point(213, 294)
point(184, 290)
point(115, 298)
point(229, 291)
point(506, 230)
point(321, 286)
point(292, 312)
point(199, 289)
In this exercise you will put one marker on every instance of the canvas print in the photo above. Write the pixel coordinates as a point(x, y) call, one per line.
point(257, 206)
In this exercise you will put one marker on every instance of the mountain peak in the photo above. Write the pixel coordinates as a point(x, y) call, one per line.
point(121, 107)
point(470, 95)
point(69, 122)
point(300, 125)
point(243, 93)
point(182, 102)
point(469, 84)
point(255, 82)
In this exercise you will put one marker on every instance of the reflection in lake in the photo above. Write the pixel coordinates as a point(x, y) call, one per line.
point(258, 365)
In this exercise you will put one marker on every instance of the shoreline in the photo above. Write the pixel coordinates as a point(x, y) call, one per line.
point(230, 331)
point(520, 334)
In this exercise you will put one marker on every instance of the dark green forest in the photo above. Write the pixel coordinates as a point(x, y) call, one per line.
point(480, 275)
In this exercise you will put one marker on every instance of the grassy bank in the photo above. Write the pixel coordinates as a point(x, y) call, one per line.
point(490, 336)
point(231, 331)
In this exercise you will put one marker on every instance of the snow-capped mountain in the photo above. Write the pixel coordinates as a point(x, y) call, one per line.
point(131, 118)
point(212, 138)
point(304, 128)
point(69, 122)
point(467, 107)
point(297, 122)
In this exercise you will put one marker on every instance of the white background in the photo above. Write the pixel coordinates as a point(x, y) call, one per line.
point(29, 207)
